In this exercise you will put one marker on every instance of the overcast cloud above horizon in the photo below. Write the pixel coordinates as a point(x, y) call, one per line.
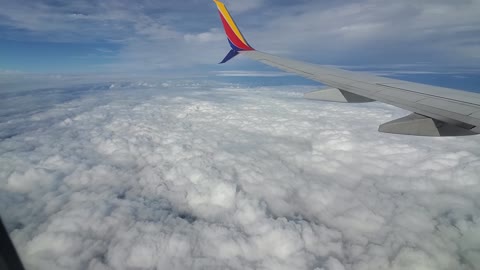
point(82, 36)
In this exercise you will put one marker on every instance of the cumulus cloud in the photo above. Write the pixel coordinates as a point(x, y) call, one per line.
point(179, 174)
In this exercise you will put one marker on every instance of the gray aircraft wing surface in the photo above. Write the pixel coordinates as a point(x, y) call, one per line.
point(436, 111)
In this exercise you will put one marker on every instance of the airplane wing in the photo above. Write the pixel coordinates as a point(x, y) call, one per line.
point(436, 111)
point(9, 259)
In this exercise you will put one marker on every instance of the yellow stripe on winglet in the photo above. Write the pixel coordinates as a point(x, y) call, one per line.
point(229, 19)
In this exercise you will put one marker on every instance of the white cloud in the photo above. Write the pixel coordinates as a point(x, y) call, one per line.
point(206, 175)
point(243, 6)
point(399, 30)
point(8, 72)
point(247, 73)
point(215, 35)
point(150, 35)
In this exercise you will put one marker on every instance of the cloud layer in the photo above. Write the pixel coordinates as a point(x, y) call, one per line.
point(152, 35)
point(208, 175)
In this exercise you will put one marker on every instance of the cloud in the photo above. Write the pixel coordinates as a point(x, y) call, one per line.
point(214, 35)
point(243, 6)
point(8, 72)
point(178, 174)
point(246, 73)
point(152, 34)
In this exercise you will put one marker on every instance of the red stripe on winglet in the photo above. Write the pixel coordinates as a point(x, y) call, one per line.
point(232, 36)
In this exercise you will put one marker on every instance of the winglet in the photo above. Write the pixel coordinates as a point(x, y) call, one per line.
point(235, 38)
point(231, 54)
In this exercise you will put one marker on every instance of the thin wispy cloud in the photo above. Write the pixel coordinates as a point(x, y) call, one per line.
point(247, 73)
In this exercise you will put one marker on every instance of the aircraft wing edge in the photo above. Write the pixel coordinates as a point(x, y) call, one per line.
point(462, 114)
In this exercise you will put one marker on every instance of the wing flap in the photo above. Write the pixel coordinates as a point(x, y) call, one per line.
point(476, 115)
point(419, 125)
point(336, 95)
point(430, 90)
point(456, 107)
point(401, 95)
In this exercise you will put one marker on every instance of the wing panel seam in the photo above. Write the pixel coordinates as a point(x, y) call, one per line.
point(430, 95)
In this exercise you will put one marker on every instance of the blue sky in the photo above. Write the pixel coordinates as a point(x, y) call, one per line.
point(170, 36)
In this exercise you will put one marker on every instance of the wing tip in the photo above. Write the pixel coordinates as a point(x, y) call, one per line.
point(218, 2)
point(234, 35)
